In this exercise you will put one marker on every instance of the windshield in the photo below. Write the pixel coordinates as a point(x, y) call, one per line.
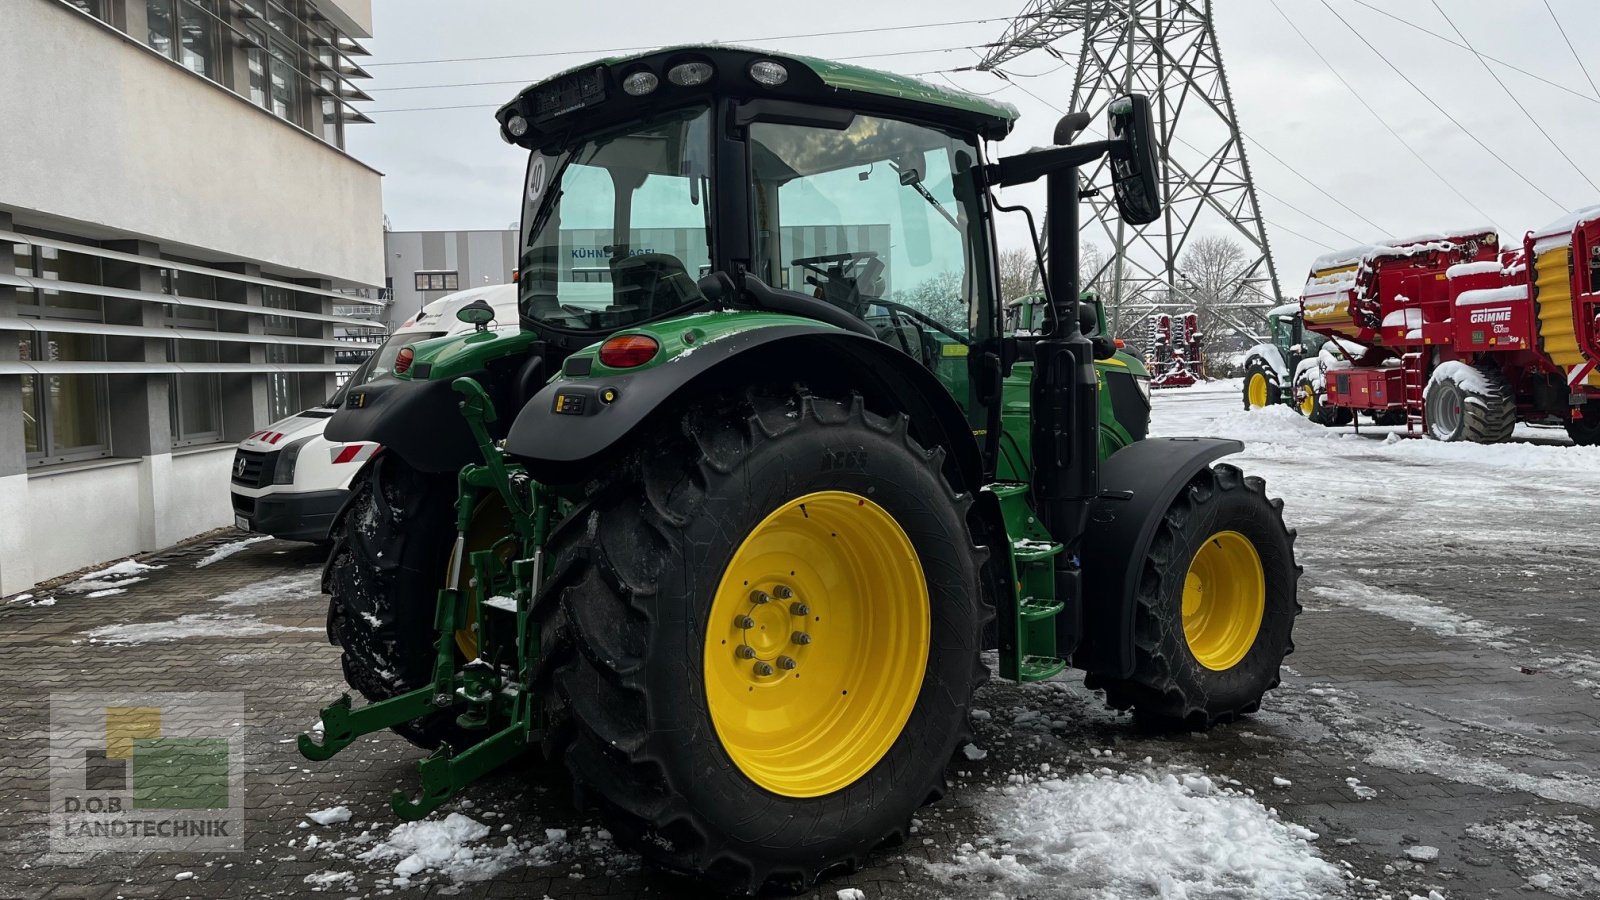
point(617, 228)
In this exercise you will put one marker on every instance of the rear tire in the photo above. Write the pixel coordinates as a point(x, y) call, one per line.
point(383, 576)
point(1585, 432)
point(1219, 512)
point(630, 669)
point(1260, 386)
point(1470, 403)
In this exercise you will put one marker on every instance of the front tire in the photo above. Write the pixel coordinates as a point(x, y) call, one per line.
point(695, 712)
point(1216, 605)
point(1260, 386)
point(383, 576)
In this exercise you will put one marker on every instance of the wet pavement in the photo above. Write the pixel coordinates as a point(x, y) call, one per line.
point(1445, 697)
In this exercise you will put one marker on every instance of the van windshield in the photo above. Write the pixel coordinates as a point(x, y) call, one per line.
point(617, 227)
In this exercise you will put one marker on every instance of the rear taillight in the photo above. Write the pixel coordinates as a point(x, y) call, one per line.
point(402, 360)
point(627, 351)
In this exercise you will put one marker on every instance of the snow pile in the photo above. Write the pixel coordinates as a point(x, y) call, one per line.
point(189, 626)
point(1559, 855)
point(1464, 270)
point(1175, 835)
point(1273, 424)
point(227, 550)
point(450, 847)
point(333, 813)
point(1409, 317)
point(1467, 377)
point(113, 579)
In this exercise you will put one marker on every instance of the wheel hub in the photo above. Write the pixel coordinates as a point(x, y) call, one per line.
point(1224, 599)
point(775, 633)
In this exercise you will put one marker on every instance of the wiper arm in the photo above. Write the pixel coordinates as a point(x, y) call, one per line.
point(911, 179)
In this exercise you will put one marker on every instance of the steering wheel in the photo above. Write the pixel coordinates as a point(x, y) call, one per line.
point(925, 319)
point(842, 262)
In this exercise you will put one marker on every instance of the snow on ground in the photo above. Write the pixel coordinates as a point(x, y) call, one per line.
point(188, 626)
point(455, 848)
point(1171, 834)
point(110, 581)
point(277, 589)
point(1559, 855)
point(229, 549)
point(1419, 611)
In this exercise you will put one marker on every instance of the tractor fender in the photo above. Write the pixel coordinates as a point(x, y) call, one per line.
point(421, 421)
point(1271, 358)
point(1137, 485)
point(570, 424)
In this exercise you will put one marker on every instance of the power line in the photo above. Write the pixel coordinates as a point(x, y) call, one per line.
point(1381, 120)
point(1431, 102)
point(1263, 148)
point(1514, 99)
point(609, 50)
point(1581, 67)
point(1438, 36)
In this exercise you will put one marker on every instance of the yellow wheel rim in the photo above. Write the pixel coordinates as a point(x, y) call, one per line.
point(816, 644)
point(490, 522)
point(1308, 400)
point(1224, 598)
point(1258, 390)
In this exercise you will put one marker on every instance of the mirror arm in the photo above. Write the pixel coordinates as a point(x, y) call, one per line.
point(1029, 167)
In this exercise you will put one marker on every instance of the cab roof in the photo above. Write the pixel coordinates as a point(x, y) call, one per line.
point(597, 86)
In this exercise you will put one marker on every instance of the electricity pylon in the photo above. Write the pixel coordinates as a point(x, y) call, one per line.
point(1167, 50)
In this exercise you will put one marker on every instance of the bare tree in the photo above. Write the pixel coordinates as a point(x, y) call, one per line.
point(1213, 271)
point(1019, 273)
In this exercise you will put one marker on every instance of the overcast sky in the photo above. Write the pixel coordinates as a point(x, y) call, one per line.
point(448, 169)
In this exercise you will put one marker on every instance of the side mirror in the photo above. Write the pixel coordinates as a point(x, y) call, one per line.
point(1133, 159)
point(476, 313)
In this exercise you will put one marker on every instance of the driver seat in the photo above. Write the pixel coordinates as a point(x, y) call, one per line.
point(654, 282)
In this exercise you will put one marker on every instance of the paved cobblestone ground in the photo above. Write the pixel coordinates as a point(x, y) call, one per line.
point(1447, 666)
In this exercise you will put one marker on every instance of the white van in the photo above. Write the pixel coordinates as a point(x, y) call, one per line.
point(288, 480)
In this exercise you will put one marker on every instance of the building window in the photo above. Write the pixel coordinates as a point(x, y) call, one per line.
point(185, 31)
point(275, 82)
point(283, 388)
point(63, 416)
point(94, 8)
point(195, 405)
point(437, 281)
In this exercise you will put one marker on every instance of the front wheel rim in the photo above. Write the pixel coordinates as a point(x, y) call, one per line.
point(1258, 390)
point(1224, 600)
point(816, 644)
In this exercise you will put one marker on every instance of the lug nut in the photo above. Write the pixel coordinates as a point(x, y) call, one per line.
point(787, 662)
point(783, 592)
point(759, 597)
point(745, 651)
point(745, 622)
point(763, 668)
point(800, 637)
point(800, 609)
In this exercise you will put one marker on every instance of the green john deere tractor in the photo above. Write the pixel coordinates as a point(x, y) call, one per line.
point(727, 526)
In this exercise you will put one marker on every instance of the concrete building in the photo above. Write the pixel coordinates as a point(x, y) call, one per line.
point(422, 266)
point(178, 219)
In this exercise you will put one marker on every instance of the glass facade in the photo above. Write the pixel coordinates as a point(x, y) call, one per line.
point(64, 416)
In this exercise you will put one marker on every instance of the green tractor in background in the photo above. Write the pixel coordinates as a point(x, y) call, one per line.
point(727, 526)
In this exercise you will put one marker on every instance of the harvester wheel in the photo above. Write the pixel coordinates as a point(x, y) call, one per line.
point(1389, 417)
point(761, 637)
point(1309, 400)
point(1585, 432)
point(1470, 403)
point(1216, 604)
point(388, 562)
point(1260, 386)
